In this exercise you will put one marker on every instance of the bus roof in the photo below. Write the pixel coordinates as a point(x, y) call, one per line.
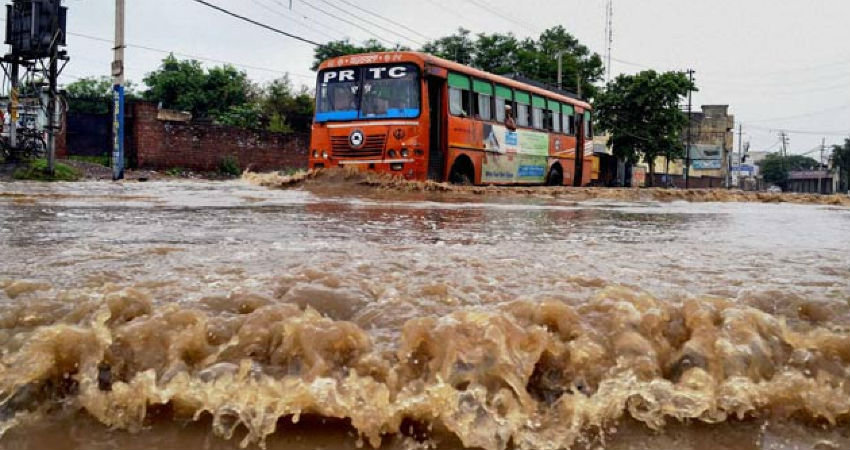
point(424, 59)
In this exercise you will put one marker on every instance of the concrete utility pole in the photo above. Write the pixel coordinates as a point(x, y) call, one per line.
point(118, 95)
point(609, 37)
point(820, 179)
point(690, 125)
point(560, 61)
point(13, 103)
point(740, 150)
point(52, 93)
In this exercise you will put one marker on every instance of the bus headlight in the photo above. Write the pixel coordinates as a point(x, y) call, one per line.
point(315, 154)
point(404, 153)
point(325, 154)
point(391, 154)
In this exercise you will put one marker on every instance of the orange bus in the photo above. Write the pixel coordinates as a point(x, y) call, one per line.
point(425, 118)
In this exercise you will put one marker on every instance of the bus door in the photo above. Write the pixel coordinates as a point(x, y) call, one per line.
point(436, 133)
point(579, 165)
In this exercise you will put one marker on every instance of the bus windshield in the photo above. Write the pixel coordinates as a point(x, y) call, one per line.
point(372, 92)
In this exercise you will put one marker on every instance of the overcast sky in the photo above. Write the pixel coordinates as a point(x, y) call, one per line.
point(778, 64)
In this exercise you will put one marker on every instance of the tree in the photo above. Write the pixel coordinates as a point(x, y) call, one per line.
point(537, 59)
point(93, 95)
point(642, 114)
point(841, 161)
point(344, 47)
point(578, 61)
point(458, 47)
point(501, 54)
point(285, 109)
point(775, 168)
point(185, 85)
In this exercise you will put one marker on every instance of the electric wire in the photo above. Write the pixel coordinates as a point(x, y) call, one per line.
point(372, 23)
point(344, 20)
point(187, 55)
point(254, 22)
point(388, 20)
point(284, 16)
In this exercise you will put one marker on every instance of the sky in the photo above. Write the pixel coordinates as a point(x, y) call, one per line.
point(778, 64)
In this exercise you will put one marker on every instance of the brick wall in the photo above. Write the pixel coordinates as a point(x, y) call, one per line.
point(158, 144)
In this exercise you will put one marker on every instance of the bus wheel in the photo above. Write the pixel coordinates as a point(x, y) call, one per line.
point(463, 172)
point(556, 177)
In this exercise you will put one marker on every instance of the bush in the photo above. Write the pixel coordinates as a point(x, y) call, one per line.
point(104, 160)
point(37, 170)
point(230, 166)
point(175, 171)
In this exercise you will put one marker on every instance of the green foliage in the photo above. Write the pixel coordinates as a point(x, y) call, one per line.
point(458, 47)
point(841, 160)
point(642, 114)
point(502, 54)
point(175, 171)
point(537, 59)
point(285, 109)
point(344, 47)
point(775, 168)
point(225, 95)
point(103, 160)
point(37, 171)
point(247, 115)
point(186, 86)
point(91, 95)
point(229, 166)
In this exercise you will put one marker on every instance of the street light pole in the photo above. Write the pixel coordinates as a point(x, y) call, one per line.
point(560, 65)
point(118, 95)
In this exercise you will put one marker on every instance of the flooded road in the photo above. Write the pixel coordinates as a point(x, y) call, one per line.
point(210, 314)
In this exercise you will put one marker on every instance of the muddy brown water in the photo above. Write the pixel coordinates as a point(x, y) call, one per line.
point(217, 314)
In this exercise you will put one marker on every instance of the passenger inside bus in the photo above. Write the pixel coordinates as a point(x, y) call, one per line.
point(509, 119)
point(343, 99)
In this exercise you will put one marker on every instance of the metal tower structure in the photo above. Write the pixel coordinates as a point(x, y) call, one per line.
point(609, 37)
point(35, 32)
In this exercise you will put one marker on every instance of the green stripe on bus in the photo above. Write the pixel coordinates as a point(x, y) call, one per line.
point(568, 110)
point(482, 87)
point(554, 106)
point(503, 92)
point(538, 102)
point(522, 97)
point(587, 115)
point(458, 81)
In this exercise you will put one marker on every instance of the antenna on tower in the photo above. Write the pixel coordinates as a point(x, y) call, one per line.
point(609, 37)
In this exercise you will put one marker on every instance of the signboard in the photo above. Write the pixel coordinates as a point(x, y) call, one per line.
point(514, 156)
point(706, 156)
point(744, 170)
point(638, 177)
point(699, 164)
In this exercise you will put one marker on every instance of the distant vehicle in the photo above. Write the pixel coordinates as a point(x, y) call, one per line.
point(424, 118)
point(774, 189)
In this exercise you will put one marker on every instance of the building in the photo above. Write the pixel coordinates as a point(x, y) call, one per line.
point(811, 181)
point(711, 143)
point(607, 169)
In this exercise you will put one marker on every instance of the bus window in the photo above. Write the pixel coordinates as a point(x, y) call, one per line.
point(555, 111)
point(390, 92)
point(569, 120)
point(338, 94)
point(385, 91)
point(588, 126)
point(482, 95)
point(459, 95)
point(503, 97)
point(523, 101)
point(537, 106)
